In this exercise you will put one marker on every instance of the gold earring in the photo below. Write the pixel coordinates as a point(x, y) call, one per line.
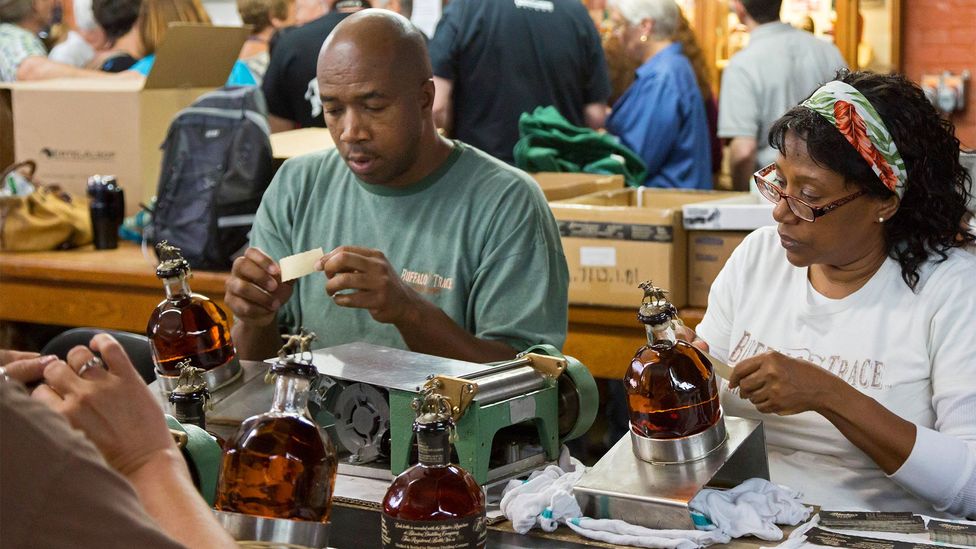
point(643, 38)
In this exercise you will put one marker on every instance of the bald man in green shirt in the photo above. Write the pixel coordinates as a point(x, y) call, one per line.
point(434, 245)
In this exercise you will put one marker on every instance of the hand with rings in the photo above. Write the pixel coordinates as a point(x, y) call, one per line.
point(93, 362)
point(107, 400)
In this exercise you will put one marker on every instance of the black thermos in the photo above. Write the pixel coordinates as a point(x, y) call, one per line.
point(106, 201)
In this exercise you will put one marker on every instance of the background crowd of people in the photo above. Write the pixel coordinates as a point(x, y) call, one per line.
point(493, 60)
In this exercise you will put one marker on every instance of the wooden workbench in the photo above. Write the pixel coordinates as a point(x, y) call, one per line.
point(118, 289)
point(86, 287)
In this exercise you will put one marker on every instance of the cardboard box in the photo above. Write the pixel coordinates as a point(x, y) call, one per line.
point(291, 143)
point(74, 128)
point(561, 186)
point(739, 212)
point(715, 228)
point(614, 240)
point(707, 253)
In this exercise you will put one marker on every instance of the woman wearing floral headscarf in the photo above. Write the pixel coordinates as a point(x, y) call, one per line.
point(850, 323)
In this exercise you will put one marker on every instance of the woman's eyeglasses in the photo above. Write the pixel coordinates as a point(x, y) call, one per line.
point(770, 186)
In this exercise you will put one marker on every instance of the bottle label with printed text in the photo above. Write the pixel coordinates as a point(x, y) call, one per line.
point(459, 533)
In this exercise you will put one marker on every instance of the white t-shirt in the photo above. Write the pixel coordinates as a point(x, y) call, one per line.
point(915, 353)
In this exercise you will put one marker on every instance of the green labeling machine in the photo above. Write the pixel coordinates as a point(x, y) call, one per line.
point(511, 417)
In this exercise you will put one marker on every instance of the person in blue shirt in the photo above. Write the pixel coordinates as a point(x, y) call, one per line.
point(661, 116)
point(240, 75)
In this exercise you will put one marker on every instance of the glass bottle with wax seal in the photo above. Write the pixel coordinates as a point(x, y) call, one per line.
point(672, 394)
point(281, 464)
point(190, 399)
point(434, 504)
point(188, 326)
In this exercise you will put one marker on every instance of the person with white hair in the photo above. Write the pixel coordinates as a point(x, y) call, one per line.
point(78, 49)
point(661, 116)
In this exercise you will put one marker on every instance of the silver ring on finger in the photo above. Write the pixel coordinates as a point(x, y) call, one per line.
point(93, 362)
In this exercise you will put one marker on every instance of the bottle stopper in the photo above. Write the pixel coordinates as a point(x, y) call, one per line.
point(171, 261)
point(655, 308)
point(190, 385)
point(295, 355)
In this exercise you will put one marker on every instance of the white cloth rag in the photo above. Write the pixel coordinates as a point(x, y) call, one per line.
point(546, 500)
point(619, 532)
point(753, 508)
point(524, 502)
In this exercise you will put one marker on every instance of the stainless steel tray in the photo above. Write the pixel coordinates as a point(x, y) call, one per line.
point(621, 486)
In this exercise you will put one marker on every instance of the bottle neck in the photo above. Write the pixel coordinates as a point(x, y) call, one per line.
point(291, 394)
point(190, 411)
point(661, 335)
point(434, 448)
point(176, 287)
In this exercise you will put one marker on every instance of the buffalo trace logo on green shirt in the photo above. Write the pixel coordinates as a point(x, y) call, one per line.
point(427, 283)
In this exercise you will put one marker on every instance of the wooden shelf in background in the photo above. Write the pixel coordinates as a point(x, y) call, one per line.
point(115, 289)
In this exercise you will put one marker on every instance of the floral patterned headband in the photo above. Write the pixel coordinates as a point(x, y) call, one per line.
point(854, 117)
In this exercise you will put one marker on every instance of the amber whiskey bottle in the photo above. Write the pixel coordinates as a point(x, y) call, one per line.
point(280, 464)
point(671, 389)
point(185, 325)
point(434, 504)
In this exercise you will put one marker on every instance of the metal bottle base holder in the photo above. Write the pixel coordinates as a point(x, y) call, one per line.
point(656, 495)
point(270, 531)
point(215, 377)
point(679, 450)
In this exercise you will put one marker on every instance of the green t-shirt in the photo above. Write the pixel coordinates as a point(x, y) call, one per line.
point(475, 237)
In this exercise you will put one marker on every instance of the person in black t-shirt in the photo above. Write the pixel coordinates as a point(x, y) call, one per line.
point(289, 84)
point(495, 59)
point(117, 18)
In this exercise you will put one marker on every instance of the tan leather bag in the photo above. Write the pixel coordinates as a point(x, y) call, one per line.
point(47, 219)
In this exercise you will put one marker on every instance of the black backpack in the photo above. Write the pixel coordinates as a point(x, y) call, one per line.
point(216, 167)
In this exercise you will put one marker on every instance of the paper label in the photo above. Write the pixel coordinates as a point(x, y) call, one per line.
point(720, 368)
point(885, 521)
point(952, 532)
point(834, 539)
point(299, 265)
point(598, 256)
point(616, 231)
point(433, 534)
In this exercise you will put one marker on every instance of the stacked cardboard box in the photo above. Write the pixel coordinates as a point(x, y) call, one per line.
point(715, 228)
point(615, 240)
point(562, 186)
point(74, 128)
